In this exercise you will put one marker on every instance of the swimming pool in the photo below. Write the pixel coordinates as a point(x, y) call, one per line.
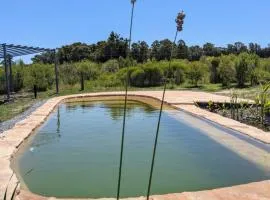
point(76, 153)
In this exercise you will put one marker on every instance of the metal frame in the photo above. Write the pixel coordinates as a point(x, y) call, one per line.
point(8, 51)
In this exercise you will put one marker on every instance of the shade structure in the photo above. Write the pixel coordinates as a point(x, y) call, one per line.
point(9, 51)
point(19, 50)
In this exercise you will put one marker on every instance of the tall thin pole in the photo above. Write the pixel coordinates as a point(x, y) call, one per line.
point(179, 20)
point(56, 72)
point(10, 73)
point(125, 105)
point(6, 72)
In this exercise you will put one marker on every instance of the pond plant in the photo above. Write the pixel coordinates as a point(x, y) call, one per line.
point(255, 113)
point(179, 27)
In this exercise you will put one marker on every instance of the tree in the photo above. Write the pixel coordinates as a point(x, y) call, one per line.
point(45, 58)
point(240, 47)
point(196, 72)
point(195, 53)
point(254, 48)
point(39, 75)
point(214, 77)
point(139, 51)
point(226, 70)
point(209, 49)
point(245, 65)
point(155, 50)
point(111, 66)
point(115, 47)
point(182, 50)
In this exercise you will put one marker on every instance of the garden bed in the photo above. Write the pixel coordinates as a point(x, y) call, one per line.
point(246, 113)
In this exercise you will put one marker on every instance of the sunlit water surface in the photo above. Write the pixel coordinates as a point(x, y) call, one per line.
point(76, 153)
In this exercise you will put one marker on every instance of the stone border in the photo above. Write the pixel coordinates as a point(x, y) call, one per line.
point(11, 139)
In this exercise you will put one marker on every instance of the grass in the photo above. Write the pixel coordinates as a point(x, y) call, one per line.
point(9, 110)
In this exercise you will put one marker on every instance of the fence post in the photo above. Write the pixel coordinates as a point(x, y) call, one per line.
point(82, 82)
point(6, 72)
point(56, 72)
point(10, 73)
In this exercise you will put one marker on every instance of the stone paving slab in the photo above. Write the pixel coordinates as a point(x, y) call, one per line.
point(11, 139)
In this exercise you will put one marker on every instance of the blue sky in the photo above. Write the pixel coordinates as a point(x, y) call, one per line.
point(53, 23)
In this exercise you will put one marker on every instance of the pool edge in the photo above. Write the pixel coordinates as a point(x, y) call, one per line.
point(11, 140)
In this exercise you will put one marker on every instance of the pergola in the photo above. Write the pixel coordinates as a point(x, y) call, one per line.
point(9, 51)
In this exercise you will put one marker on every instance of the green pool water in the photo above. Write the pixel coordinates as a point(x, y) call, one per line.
point(76, 153)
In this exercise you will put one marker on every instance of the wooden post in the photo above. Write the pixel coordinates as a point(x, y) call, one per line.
point(35, 91)
point(82, 82)
point(6, 72)
point(10, 74)
point(56, 72)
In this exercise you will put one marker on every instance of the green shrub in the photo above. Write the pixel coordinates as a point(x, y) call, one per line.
point(40, 75)
point(197, 71)
point(89, 70)
point(110, 66)
point(137, 77)
point(245, 65)
point(226, 70)
point(69, 74)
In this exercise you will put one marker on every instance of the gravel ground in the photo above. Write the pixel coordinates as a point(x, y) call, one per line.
point(10, 123)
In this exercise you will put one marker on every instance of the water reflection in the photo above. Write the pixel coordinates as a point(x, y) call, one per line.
point(58, 122)
point(116, 109)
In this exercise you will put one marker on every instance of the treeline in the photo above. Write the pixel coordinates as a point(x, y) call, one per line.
point(115, 47)
point(238, 70)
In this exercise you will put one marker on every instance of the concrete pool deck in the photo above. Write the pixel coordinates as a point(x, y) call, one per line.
point(11, 139)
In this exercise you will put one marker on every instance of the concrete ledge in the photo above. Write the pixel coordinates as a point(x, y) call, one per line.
point(10, 141)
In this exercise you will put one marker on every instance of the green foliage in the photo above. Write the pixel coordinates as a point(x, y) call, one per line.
point(68, 74)
point(137, 77)
point(196, 72)
point(214, 76)
point(226, 70)
point(245, 65)
point(40, 75)
point(88, 69)
point(110, 66)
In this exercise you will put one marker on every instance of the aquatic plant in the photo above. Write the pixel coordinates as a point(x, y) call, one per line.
point(262, 100)
point(243, 105)
point(211, 106)
point(179, 27)
point(222, 108)
point(233, 103)
point(125, 105)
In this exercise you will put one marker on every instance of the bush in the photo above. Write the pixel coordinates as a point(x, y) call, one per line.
point(214, 76)
point(88, 69)
point(245, 65)
point(153, 76)
point(69, 74)
point(17, 78)
point(137, 77)
point(197, 71)
point(40, 75)
point(226, 70)
point(110, 66)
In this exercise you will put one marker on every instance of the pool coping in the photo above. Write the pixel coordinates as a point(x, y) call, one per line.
point(11, 140)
